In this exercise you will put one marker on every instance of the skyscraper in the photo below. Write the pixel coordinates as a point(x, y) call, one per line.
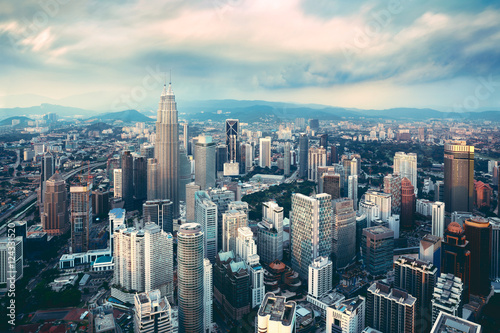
point(190, 272)
point(191, 190)
point(311, 229)
point(458, 176)
point(456, 256)
point(47, 170)
point(347, 316)
point(167, 149)
point(144, 259)
point(303, 155)
point(352, 190)
point(159, 212)
point(152, 313)
point(205, 171)
point(208, 295)
point(320, 277)
point(330, 183)
point(265, 152)
point(117, 183)
point(55, 213)
point(220, 157)
point(128, 179)
point(478, 233)
point(270, 233)
point(392, 185)
point(447, 296)
point(152, 179)
point(418, 278)
point(495, 249)
point(221, 197)
point(430, 250)
point(232, 139)
point(343, 232)
point(140, 178)
point(317, 158)
point(185, 135)
point(390, 309)
point(205, 214)
point(406, 166)
point(383, 201)
point(438, 221)
point(286, 158)
point(377, 249)
point(231, 221)
point(407, 203)
point(81, 215)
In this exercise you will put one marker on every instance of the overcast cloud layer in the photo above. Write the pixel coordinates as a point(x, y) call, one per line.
point(110, 55)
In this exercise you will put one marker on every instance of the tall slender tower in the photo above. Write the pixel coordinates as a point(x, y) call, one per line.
point(190, 273)
point(458, 177)
point(167, 149)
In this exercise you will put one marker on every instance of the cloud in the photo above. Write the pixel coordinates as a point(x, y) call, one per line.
point(287, 49)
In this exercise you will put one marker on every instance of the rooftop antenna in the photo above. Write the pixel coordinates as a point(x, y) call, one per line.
point(170, 82)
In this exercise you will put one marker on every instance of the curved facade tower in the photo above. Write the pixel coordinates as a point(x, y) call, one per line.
point(190, 275)
point(167, 149)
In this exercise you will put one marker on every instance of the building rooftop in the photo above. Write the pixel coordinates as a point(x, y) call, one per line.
point(278, 309)
point(119, 213)
point(400, 296)
point(446, 323)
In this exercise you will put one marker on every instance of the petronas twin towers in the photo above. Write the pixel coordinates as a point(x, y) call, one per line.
point(166, 185)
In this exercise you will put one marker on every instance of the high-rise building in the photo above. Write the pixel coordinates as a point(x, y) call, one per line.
point(55, 214)
point(185, 135)
point(317, 158)
point(333, 154)
point(117, 183)
point(303, 155)
point(205, 214)
point(247, 158)
point(232, 140)
point(152, 313)
point(418, 278)
point(383, 201)
point(495, 248)
point(438, 221)
point(47, 170)
point(184, 173)
point(232, 285)
point(246, 250)
point(276, 315)
point(191, 190)
point(147, 151)
point(190, 277)
point(152, 179)
point(159, 212)
point(390, 309)
point(100, 203)
point(265, 152)
point(406, 166)
point(430, 250)
point(286, 159)
point(140, 178)
point(447, 296)
point(311, 229)
point(80, 216)
point(448, 323)
point(11, 253)
point(220, 157)
point(394, 224)
point(116, 218)
point(128, 179)
point(478, 233)
point(352, 190)
point(320, 277)
point(347, 316)
point(270, 233)
point(458, 176)
point(439, 191)
point(392, 185)
point(231, 221)
point(343, 232)
point(167, 149)
point(377, 249)
point(144, 259)
point(205, 162)
point(208, 295)
point(330, 183)
point(456, 256)
point(221, 197)
point(323, 140)
point(407, 203)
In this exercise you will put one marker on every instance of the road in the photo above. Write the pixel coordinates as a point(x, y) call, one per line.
point(292, 178)
point(29, 200)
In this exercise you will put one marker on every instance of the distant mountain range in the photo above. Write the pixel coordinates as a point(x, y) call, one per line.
point(249, 111)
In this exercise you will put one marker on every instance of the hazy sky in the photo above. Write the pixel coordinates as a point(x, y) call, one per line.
point(365, 54)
